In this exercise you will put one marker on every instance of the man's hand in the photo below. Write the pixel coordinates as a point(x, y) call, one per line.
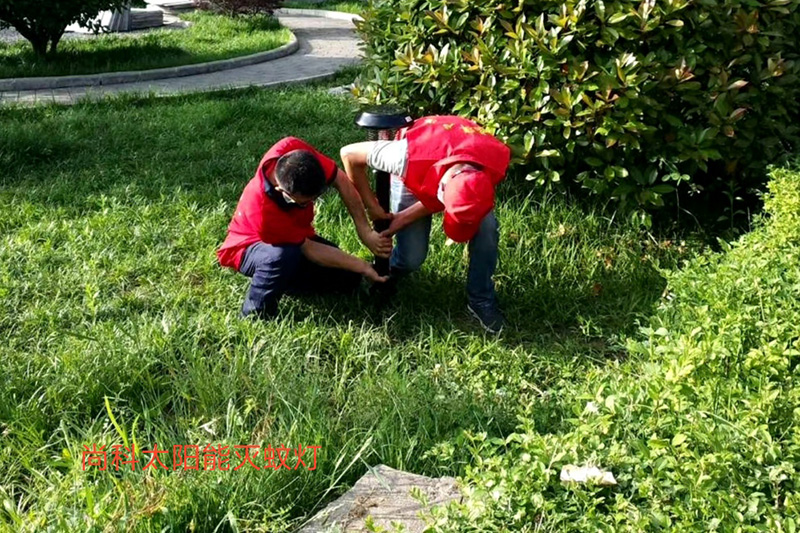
point(398, 223)
point(378, 244)
point(370, 273)
point(376, 212)
point(405, 218)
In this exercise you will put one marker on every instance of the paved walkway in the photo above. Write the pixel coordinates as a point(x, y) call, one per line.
point(326, 45)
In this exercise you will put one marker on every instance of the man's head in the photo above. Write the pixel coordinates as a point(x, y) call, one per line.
point(300, 176)
point(468, 198)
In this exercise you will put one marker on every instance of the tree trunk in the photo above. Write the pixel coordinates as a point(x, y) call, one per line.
point(39, 44)
point(54, 40)
point(38, 39)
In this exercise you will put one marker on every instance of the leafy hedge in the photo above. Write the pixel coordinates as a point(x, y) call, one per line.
point(629, 98)
point(701, 426)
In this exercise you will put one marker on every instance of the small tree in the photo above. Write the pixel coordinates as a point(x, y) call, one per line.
point(42, 22)
point(241, 7)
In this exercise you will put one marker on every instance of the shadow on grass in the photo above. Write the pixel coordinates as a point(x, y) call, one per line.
point(209, 38)
point(430, 302)
point(135, 151)
point(136, 56)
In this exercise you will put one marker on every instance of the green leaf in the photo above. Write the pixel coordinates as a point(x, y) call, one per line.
point(617, 17)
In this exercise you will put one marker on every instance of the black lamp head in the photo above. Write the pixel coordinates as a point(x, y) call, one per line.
point(383, 118)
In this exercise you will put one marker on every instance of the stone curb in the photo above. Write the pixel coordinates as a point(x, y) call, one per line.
point(232, 87)
point(110, 78)
point(99, 97)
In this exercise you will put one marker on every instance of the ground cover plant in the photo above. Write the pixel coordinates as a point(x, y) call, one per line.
point(211, 37)
point(639, 103)
point(701, 425)
point(117, 326)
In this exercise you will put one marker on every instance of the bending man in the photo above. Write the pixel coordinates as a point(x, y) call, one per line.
point(439, 163)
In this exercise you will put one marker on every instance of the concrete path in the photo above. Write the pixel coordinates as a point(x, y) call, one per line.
point(326, 45)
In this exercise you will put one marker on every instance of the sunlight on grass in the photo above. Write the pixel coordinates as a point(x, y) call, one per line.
point(110, 217)
point(210, 38)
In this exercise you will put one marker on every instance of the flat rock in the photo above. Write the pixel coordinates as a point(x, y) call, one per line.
point(151, 17)
point(172, 6)
point(384, 494)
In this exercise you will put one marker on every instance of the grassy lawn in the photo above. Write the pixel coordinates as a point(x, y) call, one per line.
point(210, 38)
point(330, 5)
point(110, 216)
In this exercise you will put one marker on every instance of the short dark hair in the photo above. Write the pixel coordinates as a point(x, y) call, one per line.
point(300, 172)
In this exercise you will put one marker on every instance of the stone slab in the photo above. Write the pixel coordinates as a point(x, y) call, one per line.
point(173, 6)
point(384, 494)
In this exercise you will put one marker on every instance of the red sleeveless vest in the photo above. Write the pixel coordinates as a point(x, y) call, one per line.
point(258, 218)
point(436, 143)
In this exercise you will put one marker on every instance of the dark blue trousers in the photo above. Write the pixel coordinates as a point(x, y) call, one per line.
point(276, 270)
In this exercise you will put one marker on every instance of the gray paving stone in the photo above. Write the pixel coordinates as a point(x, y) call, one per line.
point(62, 96)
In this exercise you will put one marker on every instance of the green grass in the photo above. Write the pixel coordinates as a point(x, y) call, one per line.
point(210, 38)
point(329, 5)
point(110, 214)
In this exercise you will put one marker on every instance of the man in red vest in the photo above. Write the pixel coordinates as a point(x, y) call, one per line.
point(439, 163)
point(271, 238)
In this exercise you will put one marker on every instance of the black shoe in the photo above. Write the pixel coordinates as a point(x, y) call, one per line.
point(490, 317)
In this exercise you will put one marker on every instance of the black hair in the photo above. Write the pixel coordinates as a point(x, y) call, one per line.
point(300, 172)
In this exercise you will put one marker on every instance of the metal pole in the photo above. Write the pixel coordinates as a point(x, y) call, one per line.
point(382, 123)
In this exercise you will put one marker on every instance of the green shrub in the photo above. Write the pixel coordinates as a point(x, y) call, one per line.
point(628, 98)
point(701, 426)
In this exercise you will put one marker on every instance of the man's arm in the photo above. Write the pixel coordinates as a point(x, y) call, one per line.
point(354, 158)
point(416, 211)
point(405, 218)
point(330, 256)
point(380, 246)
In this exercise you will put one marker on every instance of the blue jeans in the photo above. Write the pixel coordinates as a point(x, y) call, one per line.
point(276, 270)
point(411, 248)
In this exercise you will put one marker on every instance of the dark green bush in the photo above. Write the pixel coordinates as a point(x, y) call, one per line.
point(700, 425)
point(628, 98)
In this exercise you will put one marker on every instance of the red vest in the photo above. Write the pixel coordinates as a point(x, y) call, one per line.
point(258, 217)
point(438, 142)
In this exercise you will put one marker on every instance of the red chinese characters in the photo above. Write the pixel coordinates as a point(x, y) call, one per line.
point(206, 457)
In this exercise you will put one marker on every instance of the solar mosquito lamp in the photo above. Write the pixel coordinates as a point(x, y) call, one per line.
point(382, 123)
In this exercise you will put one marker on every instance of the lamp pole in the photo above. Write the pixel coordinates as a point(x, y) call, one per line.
point(382, 123)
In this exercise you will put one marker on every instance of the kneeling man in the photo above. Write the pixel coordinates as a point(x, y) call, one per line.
point(271, 238)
